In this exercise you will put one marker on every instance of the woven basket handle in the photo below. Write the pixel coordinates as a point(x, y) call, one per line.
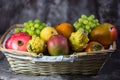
point(21, 53)
point(12, 27)
point(3, 36)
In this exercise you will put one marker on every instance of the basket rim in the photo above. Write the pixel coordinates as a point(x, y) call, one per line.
point(22, 53)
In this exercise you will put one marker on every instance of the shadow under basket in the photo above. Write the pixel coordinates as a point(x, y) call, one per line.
point(82, 63)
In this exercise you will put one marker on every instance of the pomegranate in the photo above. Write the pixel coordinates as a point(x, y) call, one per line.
point(18, 41)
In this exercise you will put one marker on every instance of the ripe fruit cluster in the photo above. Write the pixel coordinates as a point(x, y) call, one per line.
point(31, 27)
point(86, 23)
point(86, 34)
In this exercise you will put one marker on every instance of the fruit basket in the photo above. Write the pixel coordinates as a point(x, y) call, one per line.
point(82, 63)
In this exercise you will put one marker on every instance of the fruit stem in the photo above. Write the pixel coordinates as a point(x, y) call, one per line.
point(20, 43)
point(97, 47)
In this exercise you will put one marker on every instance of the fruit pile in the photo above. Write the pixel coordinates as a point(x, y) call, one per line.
point(86, 34)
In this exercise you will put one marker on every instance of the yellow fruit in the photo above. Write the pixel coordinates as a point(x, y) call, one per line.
point(65, 29)
point(47, 32)
point(78, 40)
point(36, 45)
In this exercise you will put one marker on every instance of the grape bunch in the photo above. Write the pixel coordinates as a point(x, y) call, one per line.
point(86, 23)
point(32, 27)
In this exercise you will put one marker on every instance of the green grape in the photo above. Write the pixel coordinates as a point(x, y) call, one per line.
point(37, 21)
point(36, 25)
point(96, 21)
point(33, 28)
point(31, 33)
point(92, 26)
point(43, 24)
point(18, 30)
point(31, 24)
point(28, 31)
point(30, 21)
point(75, 24)
point(81, 29)
point(83, 16)
point(87, 27)
point(24, 30)
point(34, 36)
point(41, 27)
point(89, 23)
point(25, 24)
point(80, 20)
point(37, 31)
point(86, 22)
point(92, 16)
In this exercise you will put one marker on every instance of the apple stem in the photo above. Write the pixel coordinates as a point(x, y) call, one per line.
point(20, 43)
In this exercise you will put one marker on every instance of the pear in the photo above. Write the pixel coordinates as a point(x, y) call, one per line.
point(47, 32)
point(104, 33)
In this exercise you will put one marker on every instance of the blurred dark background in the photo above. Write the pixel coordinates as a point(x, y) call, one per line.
point(55, 11)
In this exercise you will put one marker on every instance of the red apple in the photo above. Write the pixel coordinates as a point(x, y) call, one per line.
point(57, 45)
point(113, 31)
point(18, 41)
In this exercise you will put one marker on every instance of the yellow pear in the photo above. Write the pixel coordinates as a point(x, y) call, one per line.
point(47, 32)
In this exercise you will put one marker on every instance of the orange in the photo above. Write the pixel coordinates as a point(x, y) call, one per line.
point(64, 29)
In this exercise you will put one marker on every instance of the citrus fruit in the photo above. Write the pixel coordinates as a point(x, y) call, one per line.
point(65, 29)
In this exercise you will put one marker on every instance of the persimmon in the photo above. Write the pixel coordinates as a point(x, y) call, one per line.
point(94, 46)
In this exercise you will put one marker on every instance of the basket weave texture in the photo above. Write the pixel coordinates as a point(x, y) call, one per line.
point(84, 63)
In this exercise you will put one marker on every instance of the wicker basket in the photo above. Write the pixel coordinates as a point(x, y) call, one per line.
point(28, 63)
